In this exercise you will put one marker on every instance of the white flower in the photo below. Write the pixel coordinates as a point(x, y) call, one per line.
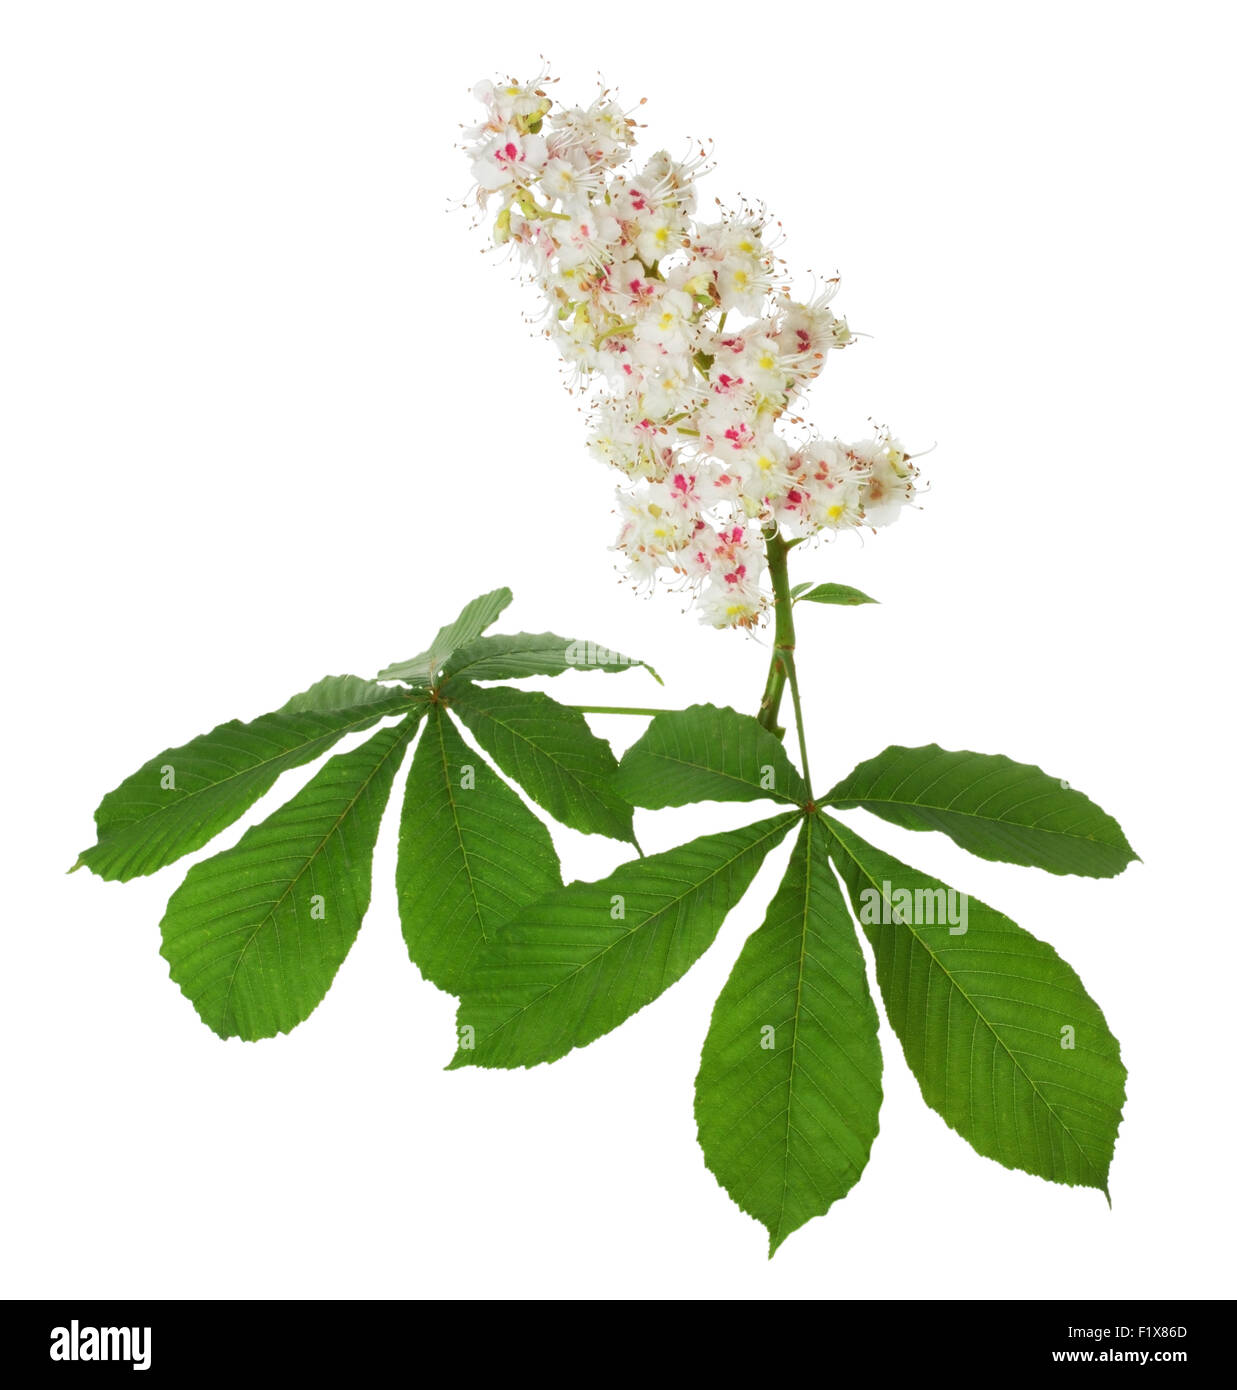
point(733, 597)
point(570, 181)
point(890, 483)
point(744, 271)
point(654, 529)
point(637, 447)
point(588, 239)
point(768, 475)
point(602, 131)
point(510, 101)
point(763, 365)
point(669, 321)
point(508, 158)
point(726, 605)
point(670, 390)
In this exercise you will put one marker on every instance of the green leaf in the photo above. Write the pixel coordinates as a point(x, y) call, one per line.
point(789, 1090)
point(185, 796)
point(340, 692)
point(831, 593)
point(704, 753)
point(551, 752)
point(511, 656)
point(1006, 1044)
point(255, 935)
point(990, 805)
point(472, 622)
point(579, 962)
point(470, 855)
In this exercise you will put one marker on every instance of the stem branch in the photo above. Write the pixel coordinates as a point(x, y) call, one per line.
point(783, 632)
point(782, 669)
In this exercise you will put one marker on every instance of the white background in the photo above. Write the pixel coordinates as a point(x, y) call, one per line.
point(268, 413)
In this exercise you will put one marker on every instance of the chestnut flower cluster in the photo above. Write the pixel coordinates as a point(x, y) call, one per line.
point(698, 354)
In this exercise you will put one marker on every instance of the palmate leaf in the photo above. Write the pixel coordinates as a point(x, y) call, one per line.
point(990, 805)
point(551, 752)
point(255, 935)
point(470, 855)
point(185, 796)
point(789, 1090)
point(509, 657)
point(472, 622)
point(577, 963)
point(706, 753)
point(1006, 1044)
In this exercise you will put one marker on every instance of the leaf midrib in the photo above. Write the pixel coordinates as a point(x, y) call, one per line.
point(166, 808)
point(728, 776)
point(537, 749)
point(794, 1037)
point(848, 802)
point(438, 718)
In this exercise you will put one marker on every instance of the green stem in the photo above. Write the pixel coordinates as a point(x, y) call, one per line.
point(620, 709)
point(783, 631)
point(782, 671)
point(619, 330)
